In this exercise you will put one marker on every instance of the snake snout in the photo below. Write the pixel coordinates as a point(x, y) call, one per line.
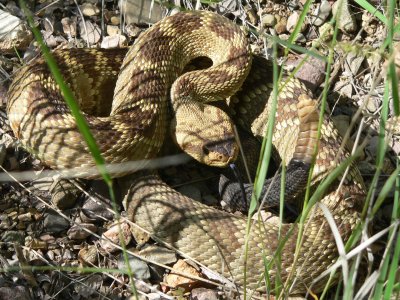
point(220, 153)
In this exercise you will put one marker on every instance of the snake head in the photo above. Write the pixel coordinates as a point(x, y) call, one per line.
point(205, 133)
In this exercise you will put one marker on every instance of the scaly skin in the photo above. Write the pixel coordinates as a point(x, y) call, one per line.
point(133, 127)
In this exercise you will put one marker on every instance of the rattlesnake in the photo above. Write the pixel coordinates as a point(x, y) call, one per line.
point(136, 128)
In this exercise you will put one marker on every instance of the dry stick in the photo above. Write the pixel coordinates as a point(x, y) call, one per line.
point(118, 246)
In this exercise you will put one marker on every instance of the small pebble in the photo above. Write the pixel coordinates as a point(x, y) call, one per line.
point(280, 27)
point(321, 13)
point(69, 26)
point(89, 9)
point(345, 17)
point(54, 223)
point(78, 232)
point(292, 21)
point(268, 20)
point(89, 255)
point(115, 41)
point(203, 294)
point(89, 32)
point(115, 20)
point(139, 268)
point(112, 236)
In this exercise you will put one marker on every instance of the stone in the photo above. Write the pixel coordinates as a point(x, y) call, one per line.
point(115, 20)
point(321, 13)
point(343, 87)
point(203, 294)
point(12, 236)
point(14, 33)
point(112, 30)
point(292, 21)
point(97, 206)
point(16, 292)
point(312, 71)
point(89, 286)
point(342, 123)
point(64, 193)
point(175, 280)
point(280, 27)
point(115, 41)
point(268, 20)
point(354, 61)
point(54, 222)
point(89, 32)
point(190, 191)
point(88, 255)
point(325, 32)
point(111, 237)
point(132, 30)
point(138, 11)
point(78, 232)
point(158, 254)
point(89, 9)
point(69, 26)
point(139, 268)
point(225, 6)
point(344, 16)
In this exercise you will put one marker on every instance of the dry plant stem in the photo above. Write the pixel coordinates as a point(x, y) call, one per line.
point(111, 242)
point(26, 269)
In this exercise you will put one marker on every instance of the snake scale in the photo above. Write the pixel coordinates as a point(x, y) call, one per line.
point(150, 93)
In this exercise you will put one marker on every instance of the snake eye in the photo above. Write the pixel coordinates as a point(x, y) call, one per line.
point(206, 151)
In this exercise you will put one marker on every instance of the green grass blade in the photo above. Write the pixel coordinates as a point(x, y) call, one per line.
point(372, 10)
point(81, 124)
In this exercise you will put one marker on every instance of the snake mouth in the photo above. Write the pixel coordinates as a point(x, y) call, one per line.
point(220, 153)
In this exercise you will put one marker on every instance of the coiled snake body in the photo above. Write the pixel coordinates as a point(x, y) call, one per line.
point(136, 127)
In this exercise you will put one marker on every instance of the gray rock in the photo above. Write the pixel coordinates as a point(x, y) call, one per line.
point(12, 236)
point(54, 223)
point(139, 268)
point(280, 27)
point(343, 87)
point(90, 286)
point(292, 21)
point(158, 254)
point(69, 26)
point(64, 193)
point(353, 63)
point(372, 148)
point(13, 33)
point(203, 294)
point(226, 6)
point(89, 9)
point(90, 32)
point(112, 237)
point(268, 20)
point(78, 232)
point(112, 30)
point(15, 292)
point(138, 11)
point(115, 41)
point(344, 16)
point(96, 207)
point(300, 38)
point(312, 72)
point(321, 13)
point(132, 30)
